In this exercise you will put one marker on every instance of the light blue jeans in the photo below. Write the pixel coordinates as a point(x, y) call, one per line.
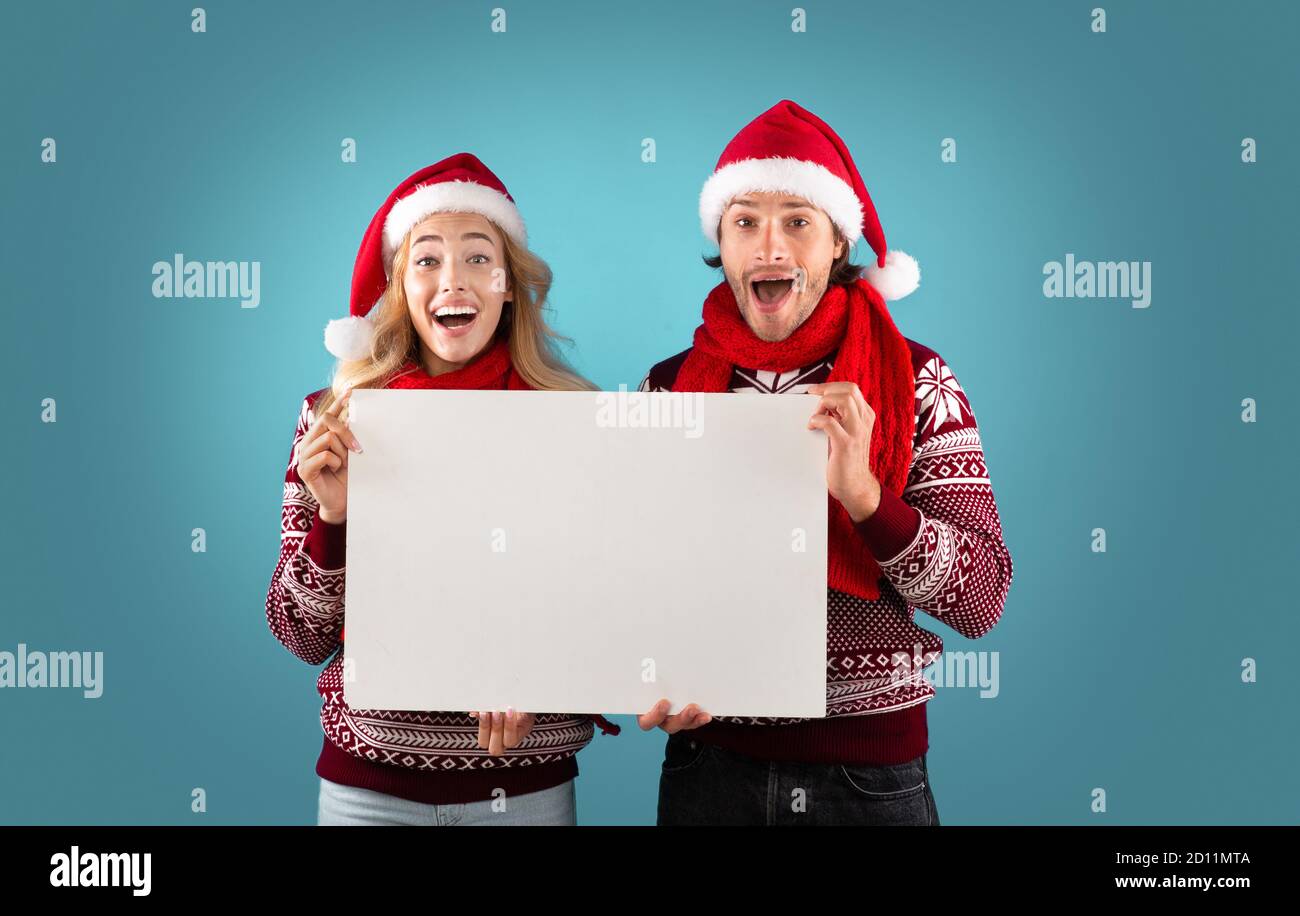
point(342, 806)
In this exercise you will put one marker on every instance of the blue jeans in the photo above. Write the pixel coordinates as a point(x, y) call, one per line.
point(700, 784)
point(342, 806)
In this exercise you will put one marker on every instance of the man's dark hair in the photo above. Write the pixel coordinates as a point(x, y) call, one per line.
point(843, 271)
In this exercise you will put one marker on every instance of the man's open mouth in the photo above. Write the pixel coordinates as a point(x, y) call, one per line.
point(456, 316)
point(771, 291)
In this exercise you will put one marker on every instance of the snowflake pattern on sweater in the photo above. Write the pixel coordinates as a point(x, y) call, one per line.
point(939, 546)
point(305, 611)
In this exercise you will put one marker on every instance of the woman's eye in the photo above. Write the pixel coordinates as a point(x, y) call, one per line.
point(478, 259)
point(743, 220)
point(800, 220)
point(424, 261)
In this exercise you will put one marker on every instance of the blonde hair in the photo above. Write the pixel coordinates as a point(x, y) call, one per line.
point(534, 346)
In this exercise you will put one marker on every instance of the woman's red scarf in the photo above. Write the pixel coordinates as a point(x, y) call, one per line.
point(491, 370)
point(853, 319)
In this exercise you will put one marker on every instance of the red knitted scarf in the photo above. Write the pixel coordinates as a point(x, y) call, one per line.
point(492, 369)
point(872, 352)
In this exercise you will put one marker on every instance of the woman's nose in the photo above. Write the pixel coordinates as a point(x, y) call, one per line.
point(451, 279)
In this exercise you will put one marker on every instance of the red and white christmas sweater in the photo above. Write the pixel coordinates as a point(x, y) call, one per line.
point(430, 757)
point(940, 550)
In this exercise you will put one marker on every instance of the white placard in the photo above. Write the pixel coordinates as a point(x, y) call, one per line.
point(555, 552)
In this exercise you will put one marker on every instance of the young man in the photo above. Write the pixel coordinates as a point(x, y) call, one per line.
point(913, 522)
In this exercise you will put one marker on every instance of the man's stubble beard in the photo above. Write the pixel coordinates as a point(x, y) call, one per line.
point(806, 302)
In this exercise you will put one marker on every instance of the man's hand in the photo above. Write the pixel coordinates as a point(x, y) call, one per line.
point(690, 717)
point(500, 731)
point(848, 421)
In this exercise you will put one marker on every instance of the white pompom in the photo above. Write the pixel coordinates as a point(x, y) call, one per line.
point(349, 338)
point(900, 275)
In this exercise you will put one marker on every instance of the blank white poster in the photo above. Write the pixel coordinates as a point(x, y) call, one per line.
point(586, 552)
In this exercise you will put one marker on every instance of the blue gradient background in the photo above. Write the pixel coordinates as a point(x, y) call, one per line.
point(1119, 670)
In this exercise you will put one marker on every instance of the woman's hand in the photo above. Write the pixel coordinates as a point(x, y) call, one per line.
point(500, 731)
point(323, 460)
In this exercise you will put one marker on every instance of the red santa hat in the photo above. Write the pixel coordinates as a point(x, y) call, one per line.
point(788, 148)
point(459, 184)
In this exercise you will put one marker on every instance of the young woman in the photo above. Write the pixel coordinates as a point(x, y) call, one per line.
point(445, 294)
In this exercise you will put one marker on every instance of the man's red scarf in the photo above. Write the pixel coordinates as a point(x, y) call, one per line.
point(853, 319)
point(493, 369)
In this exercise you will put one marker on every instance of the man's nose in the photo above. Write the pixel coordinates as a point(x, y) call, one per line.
point(772, 247)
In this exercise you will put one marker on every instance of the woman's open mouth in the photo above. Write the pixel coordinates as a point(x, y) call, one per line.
point(770, 292)
point(455, 320)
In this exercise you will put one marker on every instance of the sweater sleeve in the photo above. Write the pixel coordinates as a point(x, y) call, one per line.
point(304, 605)
point(940, 544)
